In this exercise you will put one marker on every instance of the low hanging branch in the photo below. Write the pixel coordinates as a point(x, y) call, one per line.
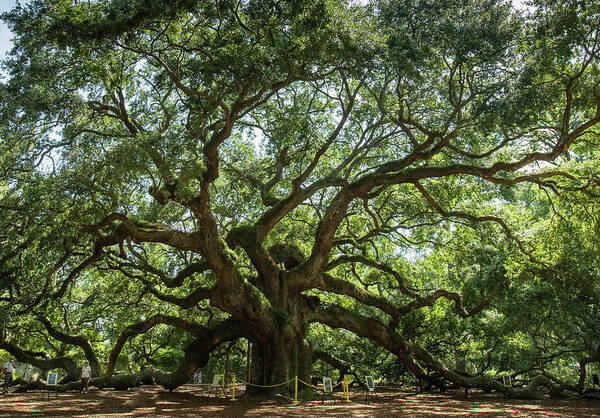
point(343, 368)
point(64, 362)
point(213, 336)
point(77, 340)
point(196, 355)
point(420, 362)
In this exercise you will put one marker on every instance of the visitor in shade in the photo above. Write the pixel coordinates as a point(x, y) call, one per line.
point(86, 373)
point(8, 369)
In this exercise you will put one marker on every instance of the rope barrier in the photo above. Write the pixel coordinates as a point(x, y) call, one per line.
point(337, 384)
point(344, 382)
point(265, 386)
point(318, 388)
point(308, 384)
point(345, 386)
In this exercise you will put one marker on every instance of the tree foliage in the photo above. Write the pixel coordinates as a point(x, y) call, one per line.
point(177, 176)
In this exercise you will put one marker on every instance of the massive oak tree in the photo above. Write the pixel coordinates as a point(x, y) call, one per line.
point(245, 169)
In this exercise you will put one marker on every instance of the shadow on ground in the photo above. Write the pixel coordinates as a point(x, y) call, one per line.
point(193, 400)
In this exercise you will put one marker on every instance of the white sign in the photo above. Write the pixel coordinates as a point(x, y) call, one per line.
point(370, 384)
point(217, 381)
point(52, 378)
point(327, 386)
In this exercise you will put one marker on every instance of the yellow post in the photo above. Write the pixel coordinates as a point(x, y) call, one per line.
point(347, 390)
point(295, 390)
point(233, 395)
point(223, 386)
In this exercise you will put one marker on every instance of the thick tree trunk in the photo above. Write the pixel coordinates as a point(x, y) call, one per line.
point(280, 352)
point(276, 360)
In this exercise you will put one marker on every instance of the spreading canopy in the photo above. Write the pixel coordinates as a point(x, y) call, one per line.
point(249, 168)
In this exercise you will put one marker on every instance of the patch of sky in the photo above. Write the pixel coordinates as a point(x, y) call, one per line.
point(5, 33)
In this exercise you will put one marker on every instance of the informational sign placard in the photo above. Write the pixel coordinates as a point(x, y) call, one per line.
point(506, 381)
point(327, 386)
point(217, 381)
point(52, 378)
point(51, 385)
point(370, 384)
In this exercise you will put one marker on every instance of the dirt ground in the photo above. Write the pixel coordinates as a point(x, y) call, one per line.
point(193, 400)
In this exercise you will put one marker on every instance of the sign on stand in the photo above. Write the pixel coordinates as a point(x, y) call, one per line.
point(217, 382)
point(327, 388)
point(52, 377)
point(370, 386)
point(51, 385)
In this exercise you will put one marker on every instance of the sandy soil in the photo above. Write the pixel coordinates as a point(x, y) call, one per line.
point(193, 400)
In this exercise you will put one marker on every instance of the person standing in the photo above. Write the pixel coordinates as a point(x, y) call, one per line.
point(86, 373)
point(8, 369)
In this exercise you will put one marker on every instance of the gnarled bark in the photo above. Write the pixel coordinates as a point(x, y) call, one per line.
point(77, 340)
point(196, 353)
